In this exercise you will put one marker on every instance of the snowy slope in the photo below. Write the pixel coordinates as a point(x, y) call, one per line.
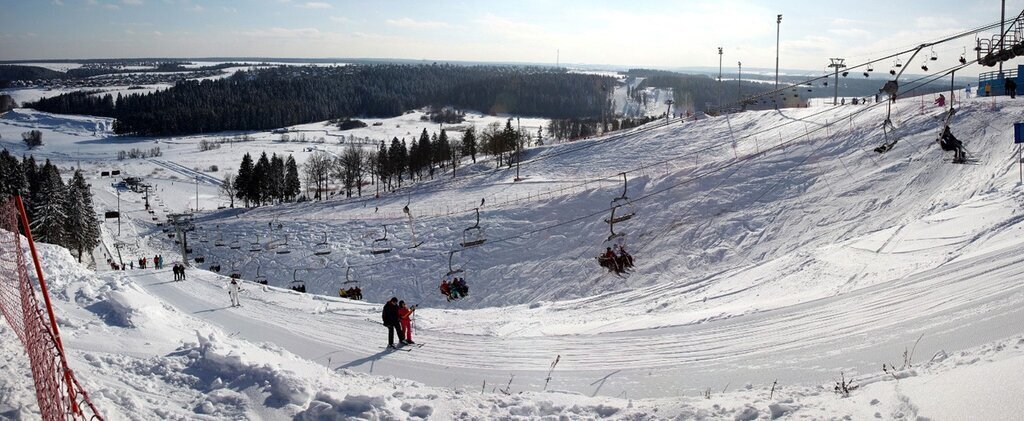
point(770, 246)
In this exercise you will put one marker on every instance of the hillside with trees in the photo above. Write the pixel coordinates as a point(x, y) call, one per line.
point(284, 96)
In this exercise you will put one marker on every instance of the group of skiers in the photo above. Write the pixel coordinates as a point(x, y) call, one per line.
point(179, 271)
point(398, 317)
point(455, 289)
point(353, 293)
point(616, 260)
point(143, 262)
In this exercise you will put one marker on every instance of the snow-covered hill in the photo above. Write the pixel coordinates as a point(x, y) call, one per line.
point(769, 245)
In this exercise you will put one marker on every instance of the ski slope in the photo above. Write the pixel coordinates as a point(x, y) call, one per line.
point(770, 246)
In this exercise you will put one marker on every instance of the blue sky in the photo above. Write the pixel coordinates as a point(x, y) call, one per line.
point(651, 33)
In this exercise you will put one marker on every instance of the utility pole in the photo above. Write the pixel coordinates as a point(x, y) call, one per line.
point(739, 83)
point(719, 80)
point(837, 63)
point(668, 112)
point(197, 193)
point(519, 149)
point(778, 29)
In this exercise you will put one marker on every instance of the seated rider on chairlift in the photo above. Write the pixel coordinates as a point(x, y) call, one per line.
point(459, 287)
point(948, 142)
point(609, 260)
point(622, 258)
point(446, 289)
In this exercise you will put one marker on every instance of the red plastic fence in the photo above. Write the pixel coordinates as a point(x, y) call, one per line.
point(59, 395)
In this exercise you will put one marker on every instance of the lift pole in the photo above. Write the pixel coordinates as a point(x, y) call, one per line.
point(837, 63)
point(778, 29)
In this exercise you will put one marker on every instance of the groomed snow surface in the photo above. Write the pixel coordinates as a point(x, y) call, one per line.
point(773, 248)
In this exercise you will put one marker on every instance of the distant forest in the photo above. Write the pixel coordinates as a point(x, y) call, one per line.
point(283, 96)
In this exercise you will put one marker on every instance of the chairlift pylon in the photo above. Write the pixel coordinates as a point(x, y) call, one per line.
point(382, 245)
point(474, 235)
point(322, 248)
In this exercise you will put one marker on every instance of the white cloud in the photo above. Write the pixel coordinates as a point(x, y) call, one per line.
point(316, 5)
point(340, 19)
point(58, 2)
point(411, 23)
point(111, 6)
point(132, 2)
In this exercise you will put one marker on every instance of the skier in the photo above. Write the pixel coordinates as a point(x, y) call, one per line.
point(941, 100)
point(404, 314)
point(390, 318)
point(948, 142)
point(233, 290)
point(1011, 88)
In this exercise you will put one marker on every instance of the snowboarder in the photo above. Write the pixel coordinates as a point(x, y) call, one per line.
point(233, 290)
point(1011, 88)
point(404, 314)
point(948, 142)
point(390, 318)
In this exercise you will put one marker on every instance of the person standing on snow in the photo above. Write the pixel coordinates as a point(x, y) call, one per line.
point(390, 318)
point(233, 290)
point(404, 314)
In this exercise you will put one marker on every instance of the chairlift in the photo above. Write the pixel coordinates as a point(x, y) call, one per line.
point(963, 56)
point(451, 270)
point(933, 56)
point(255, 246)
point(322, 248)
point(214, 265)
point(236, 245)
point(297, 285)
point(353, 292)
point(622, 202)
point(474, 235)
point(283, 247)
point(924, 66)
point(899, 63)
point(235, 272)
point(871, 67)
point(260, 278)
point(846, 73)
point(381, 245)
point(412, 226)
point(220, 240)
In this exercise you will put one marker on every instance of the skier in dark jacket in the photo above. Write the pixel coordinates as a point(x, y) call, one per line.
point(391, 320)
point(1011, 88)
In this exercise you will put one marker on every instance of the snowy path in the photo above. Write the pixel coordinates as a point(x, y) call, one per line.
point(962, 304)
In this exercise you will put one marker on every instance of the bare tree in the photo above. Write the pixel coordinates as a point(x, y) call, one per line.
point(318, 171)
point(455, 155)
point(227, 187)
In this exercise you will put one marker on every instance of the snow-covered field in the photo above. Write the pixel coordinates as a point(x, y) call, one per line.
point(770, 246)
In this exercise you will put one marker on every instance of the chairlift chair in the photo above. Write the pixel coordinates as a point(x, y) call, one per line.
point(322, 248)
point(412, 226)
point(214, 265)
point(899, 63)
point(451, 270)
point(298, 285)
point(381, 245)
point(236, 273)
point(622, 202)
point(963, 56)
point(343, 293)
point(260, 277)
point(283, 247)
point(235, 245)
point(255, 246)
point(220, 240)
point(474, 235)
point(933, 56)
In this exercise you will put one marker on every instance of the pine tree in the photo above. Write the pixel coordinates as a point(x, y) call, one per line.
point(469, 143)
point(50, 210)
point(292, 187)
point(276, 178)
point(262, 175)
point(81, 226)
point(443, 148)
point(425, 152)
point(244, 179)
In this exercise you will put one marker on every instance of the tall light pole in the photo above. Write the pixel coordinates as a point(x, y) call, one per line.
point(778, 29)
point(739, 83)
point(719, 79)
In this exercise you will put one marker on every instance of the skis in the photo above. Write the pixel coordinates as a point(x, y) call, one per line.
point(406, 348)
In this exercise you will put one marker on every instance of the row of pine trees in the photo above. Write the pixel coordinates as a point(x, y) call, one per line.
point(60, 213)
point(266, 180)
